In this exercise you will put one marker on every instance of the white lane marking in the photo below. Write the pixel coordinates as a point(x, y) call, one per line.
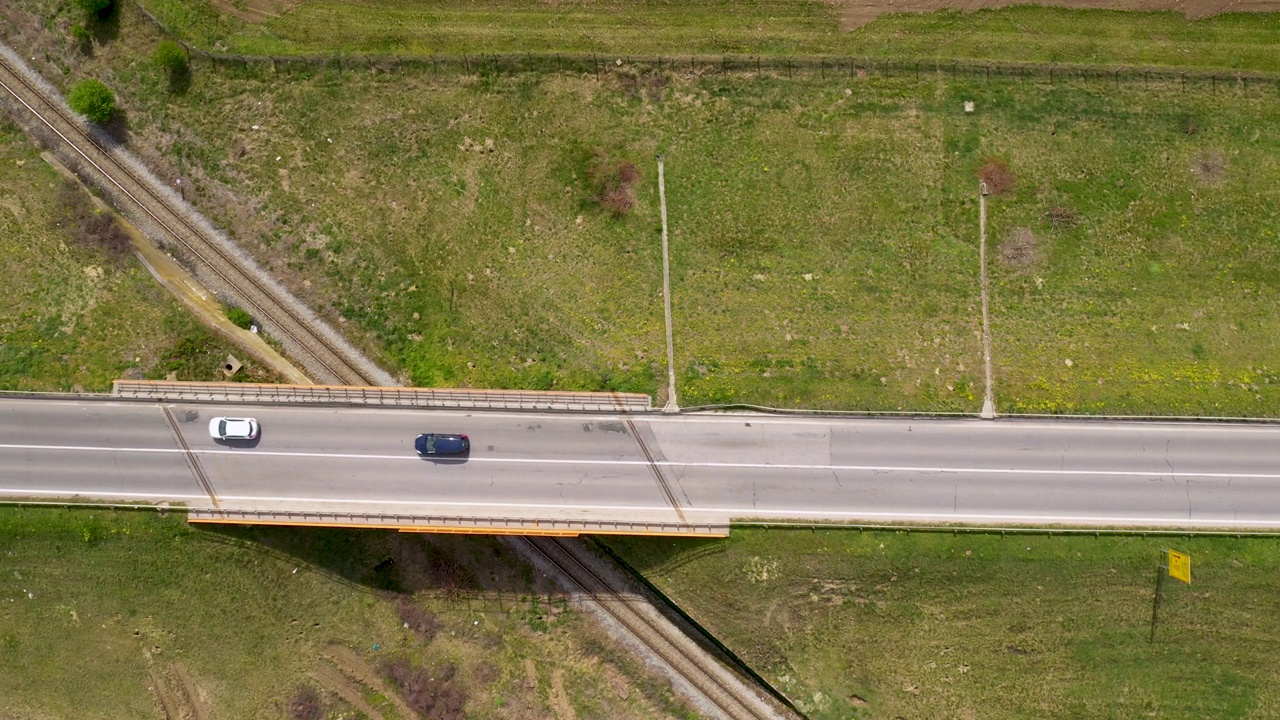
point(1162, 472)
point(718, 512)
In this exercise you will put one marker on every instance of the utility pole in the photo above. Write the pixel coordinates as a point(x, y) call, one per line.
point(988, 396)
point(671, 406)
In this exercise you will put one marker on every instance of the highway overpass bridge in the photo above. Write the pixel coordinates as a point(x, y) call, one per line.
point(604, 463)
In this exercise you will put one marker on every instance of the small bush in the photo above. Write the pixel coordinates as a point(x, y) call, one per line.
point(170, 58)
point(93, 100)
point(613, 183)
point(306, 704)
point(999, 178)
point(239, 318)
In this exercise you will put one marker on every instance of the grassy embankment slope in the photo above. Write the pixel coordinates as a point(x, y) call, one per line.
point(75, 315)
point(110, 614)
point(883, 624)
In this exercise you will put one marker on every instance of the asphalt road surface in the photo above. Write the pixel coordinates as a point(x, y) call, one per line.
point(650, 468)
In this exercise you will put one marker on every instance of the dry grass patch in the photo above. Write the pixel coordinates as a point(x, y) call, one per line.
point(1020, 250)
point(1210, 167)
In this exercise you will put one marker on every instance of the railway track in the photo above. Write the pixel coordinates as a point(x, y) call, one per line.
point(723, 690)
point(328, 357)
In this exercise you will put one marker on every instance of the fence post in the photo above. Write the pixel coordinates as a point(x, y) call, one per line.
point(822, 68)
point(1118, 76)
point(1182, 78)
point(788, 68)
point(917, 71)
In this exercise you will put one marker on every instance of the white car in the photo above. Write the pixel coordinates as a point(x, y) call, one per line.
point(225, 428)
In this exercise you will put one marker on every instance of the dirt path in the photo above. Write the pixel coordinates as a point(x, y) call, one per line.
point(358, 669)
point(856, 13)
point(338, 684)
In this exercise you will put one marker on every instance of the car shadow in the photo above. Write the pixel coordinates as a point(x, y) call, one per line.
point(445, 459)
point(240, 443)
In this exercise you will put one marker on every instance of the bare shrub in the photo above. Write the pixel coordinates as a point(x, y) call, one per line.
point(306, 704)
point(613, 183)
point(431, 693)
point(1061, 216)
point(420, 620)
point(999, 178)
point(90, 228)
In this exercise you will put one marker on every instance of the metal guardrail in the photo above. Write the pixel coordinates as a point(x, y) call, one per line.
point(383, 396)
point(455, 524)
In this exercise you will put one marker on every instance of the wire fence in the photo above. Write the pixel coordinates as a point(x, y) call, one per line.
point(831, 67)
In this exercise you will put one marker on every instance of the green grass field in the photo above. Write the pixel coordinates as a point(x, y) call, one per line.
point(75, 317)
point(855, 624)
point(100, 609)
point(717, 27)
point(823, 231)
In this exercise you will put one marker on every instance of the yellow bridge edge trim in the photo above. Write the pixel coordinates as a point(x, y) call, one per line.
point(456, 530)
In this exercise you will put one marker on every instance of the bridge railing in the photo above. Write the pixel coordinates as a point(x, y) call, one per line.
point(461, 524)
point(384, 396)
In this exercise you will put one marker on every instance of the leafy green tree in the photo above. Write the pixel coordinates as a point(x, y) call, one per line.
point(93, 100)
point(170, 57)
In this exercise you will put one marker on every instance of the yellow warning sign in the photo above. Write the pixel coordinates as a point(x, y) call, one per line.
point(1180, 566)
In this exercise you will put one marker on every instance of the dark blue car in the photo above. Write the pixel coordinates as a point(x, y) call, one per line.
point(431, 444)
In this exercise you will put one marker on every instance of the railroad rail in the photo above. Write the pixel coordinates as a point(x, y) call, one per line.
point(722, 690)
point(321, 349)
